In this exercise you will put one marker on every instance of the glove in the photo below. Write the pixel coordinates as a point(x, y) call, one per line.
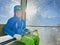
point(17, 36)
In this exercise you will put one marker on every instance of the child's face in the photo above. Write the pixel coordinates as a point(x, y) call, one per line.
point(18, 13)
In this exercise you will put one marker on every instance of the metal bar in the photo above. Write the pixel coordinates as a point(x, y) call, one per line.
point(24, 5)
point(40, 26)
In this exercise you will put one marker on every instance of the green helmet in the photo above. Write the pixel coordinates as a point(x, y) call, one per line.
point(18, 7)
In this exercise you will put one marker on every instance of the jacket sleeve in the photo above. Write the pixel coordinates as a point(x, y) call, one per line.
point(7, 28)
point(24, 26)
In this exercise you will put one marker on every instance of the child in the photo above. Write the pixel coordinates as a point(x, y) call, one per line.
point(16, 26)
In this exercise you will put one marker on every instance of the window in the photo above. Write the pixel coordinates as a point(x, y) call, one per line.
point(42, 13)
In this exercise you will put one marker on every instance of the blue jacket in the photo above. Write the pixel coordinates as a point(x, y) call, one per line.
point(15, 25)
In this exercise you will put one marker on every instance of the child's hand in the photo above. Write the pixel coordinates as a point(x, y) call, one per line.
point(17, 36)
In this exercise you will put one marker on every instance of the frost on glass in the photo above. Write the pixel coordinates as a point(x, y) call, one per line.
point(43, 12)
